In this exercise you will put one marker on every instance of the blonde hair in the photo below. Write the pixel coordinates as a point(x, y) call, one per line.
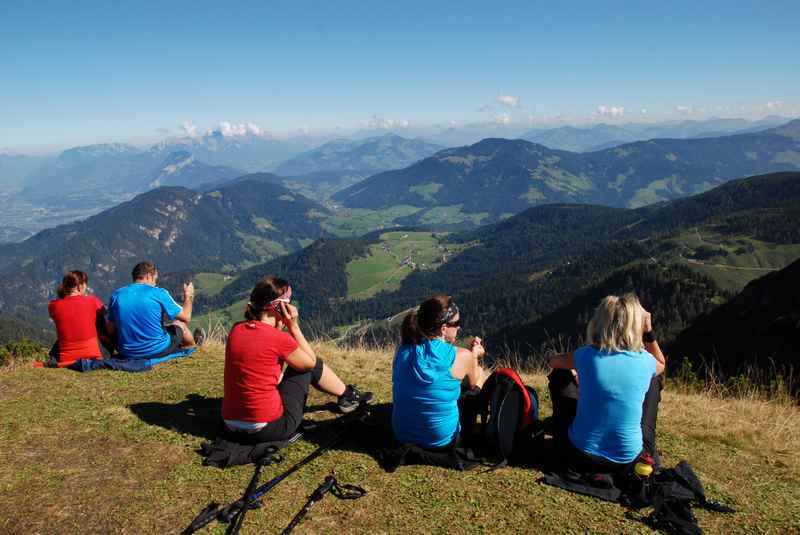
point(617, 324)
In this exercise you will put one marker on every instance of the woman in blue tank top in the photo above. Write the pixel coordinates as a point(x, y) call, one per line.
point(617, 400)
point(427, 374)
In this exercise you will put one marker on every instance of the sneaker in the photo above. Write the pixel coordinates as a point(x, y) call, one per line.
point(352, 398)
point(199, 336)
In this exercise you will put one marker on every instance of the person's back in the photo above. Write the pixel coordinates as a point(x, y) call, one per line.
point(613, 384)
point(425, 394)
point(615, 379)
point(75, 318)
point(137, 311)
point(254, 355)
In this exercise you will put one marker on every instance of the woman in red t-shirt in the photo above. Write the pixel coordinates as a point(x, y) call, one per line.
point(259, 406)
point(77, 317)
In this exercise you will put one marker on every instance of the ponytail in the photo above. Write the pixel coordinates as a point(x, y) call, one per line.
point(264, 293)
point(251, 313)
point(70, 282)
point(410, 333)
point(425, 321)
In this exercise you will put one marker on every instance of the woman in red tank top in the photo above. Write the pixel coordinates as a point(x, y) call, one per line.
point(259, 405)
point(79, 319)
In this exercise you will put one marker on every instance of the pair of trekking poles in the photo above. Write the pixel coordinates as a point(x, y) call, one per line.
point(234, 512)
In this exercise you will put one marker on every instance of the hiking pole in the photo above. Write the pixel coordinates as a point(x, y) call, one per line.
point(226, 514)
point(236, 524)
point(212, 510)
point(343, 492)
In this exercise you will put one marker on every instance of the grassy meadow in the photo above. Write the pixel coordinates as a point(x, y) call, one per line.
point(110, 452)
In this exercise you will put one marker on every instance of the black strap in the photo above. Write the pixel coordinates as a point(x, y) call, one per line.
point(347, 492)
point(330, 484)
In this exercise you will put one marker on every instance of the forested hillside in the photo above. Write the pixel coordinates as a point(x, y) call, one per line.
point(536, 275)
point(237, 225)
point(756, 332)
point(498, 177)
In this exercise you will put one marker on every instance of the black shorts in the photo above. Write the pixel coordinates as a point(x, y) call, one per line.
point(175, 331)
point(293, 390)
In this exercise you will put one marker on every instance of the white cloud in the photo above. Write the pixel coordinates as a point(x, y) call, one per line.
point(610, 111)
point(386, 124)
point(189, 129)
point(643, 111)
point(774, 105)
point(684, 110)
point(237, 129)
point(502, 118)
point(510, 101)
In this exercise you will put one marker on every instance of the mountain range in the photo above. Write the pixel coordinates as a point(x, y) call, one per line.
point(603, 135)
point(526, 280)
point(235, 225)
point(182, 169)
point(370, 155)
point(496, 178)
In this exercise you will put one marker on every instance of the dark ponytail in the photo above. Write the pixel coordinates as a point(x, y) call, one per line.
point(425, 321)
point(70, 282)
point(264, 292)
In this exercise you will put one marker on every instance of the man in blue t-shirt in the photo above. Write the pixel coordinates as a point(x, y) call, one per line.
point(146, 319)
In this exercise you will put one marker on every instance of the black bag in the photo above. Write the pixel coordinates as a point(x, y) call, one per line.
point(674, 493)
point(509, 412)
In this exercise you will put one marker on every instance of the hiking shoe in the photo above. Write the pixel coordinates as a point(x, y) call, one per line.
point(199, 336)
point(352, 398)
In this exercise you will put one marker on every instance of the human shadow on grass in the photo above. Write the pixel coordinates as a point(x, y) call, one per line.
point(196, 415)
point(373, 436)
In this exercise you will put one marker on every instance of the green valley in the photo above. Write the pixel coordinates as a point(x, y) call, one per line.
point(393, 258)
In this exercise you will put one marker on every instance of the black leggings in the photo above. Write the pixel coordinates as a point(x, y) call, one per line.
point(293, 390)
point(564, 392)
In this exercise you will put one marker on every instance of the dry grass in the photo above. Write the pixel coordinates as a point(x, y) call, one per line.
point(114, 453)
point(771, 428)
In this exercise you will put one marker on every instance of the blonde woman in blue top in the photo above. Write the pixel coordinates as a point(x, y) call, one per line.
point(427, 374)
point(618, 392)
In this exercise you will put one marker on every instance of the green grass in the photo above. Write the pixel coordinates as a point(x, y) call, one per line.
point(263, 248)
point(426, 191)
point(224, 316)
point(445, 215)
point(110, 452)
point(210, 284)
point(731, 262)
point(357, 221)
point(390, 261)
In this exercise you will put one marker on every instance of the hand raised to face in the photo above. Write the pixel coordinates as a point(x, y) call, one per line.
point(289, 314)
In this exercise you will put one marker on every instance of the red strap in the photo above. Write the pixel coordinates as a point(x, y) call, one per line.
point(527, 413)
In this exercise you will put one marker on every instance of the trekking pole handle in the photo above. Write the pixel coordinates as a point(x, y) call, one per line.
point(205, 517)
point(316, 496)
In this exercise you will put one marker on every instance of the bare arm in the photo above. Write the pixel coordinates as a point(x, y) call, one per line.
point(300, 360)
point(185, 315)
point(303, 358)
point(652, 347)
point(563, 361)
point(467, 363)
point(661, 361)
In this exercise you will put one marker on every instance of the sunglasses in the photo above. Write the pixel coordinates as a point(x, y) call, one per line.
point(456, 323)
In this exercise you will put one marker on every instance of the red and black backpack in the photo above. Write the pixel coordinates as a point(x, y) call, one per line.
point(509, 412)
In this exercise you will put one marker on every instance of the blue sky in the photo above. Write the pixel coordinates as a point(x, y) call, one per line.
point(85, 72)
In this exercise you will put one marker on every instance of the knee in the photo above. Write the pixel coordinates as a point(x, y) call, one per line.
point(316, 371)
